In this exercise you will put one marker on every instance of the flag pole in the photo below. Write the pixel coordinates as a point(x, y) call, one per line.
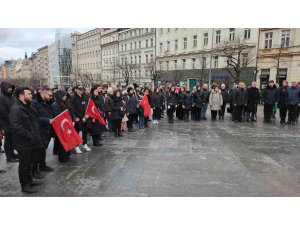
point(60, 114)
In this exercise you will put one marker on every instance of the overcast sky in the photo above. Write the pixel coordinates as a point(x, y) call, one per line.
point(15, 42)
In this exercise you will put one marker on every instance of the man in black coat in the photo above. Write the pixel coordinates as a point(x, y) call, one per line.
point(6, 102)
point(45, 117)
point(79, 104)
point(26, 135)
point(269, 99)
point(131, 102)
point(225, 97)
point(282, 101)
point(253, 98)
point(198, 102)
point(239, 101)
point(206, 94)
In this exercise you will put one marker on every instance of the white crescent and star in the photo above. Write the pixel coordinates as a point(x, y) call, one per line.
point(93, 109)
point(62, 125)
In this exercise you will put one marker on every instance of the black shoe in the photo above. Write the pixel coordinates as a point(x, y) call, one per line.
point(37, 175)
point(2, 171)
point(253, 120)
point(289, 122)
point(46, 169)
point(130, 130)
point(116, 135)
point(12, 160)
point(1, 151)
point(204, 118)
point(36, 183)
point(101, 139)
point(96, 144)
point(120, 135)
point(236, 121)
point(293, 123)
point(15, 156)
point(29, 189)
point(64, 160)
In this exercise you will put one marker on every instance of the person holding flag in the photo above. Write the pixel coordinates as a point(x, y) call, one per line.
point(59, 106)
point(93, 112)
point(144, 103)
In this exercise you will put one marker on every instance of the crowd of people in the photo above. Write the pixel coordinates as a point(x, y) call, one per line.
point(26, 115)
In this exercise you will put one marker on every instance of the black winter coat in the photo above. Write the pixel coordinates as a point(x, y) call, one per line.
point(25, 127)
point(282, 96)
point(253, 96)
point(116, 104)
point(131, 103)
point(225, 96)
point(240, 97)
point(188, 100)
point(198, 99)
point(206, 94)
point(96, 127)
point(156, 100)
point(172, 98)
point(6, 102)
point(45, 113)
point(79, 105)
point(180, 98)
point(270, 95)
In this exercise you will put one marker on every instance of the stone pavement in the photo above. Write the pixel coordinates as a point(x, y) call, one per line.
point(208, 158)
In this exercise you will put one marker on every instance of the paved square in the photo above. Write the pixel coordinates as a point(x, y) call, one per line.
point(210, 158)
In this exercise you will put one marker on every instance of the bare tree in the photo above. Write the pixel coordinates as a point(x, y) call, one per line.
point(238, 57)
point(177, 76)
point(153, 75)
point(126, 71)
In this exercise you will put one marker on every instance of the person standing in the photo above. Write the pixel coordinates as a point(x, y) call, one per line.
point(282, 101)
point(293, 101)
point(79, 104)
point(171, 103)
point(269, 99)
point(6, 102)
point(45, 117)
point(215, 102)
point(108, 108)
point(239, 101)
point(187, 103)
point(179, 109)
point(225, 97)
point(253, 98)
point(198, 102)
point(117, 113)
point(26, 135)
point(131, 102)
point(156, 105)
point(205, 92)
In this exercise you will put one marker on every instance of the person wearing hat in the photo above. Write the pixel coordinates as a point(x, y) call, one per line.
point(269, 99)
point(79, 104)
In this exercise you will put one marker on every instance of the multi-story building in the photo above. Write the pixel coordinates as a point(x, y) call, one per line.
point(110, 54)
point(192, 55)
point(6, 68)
point(42, 57)
point(278, 55)
point(86, 56)
point(137, 53)
point(60, 60)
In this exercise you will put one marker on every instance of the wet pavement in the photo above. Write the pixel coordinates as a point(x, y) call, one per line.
point(208, 158)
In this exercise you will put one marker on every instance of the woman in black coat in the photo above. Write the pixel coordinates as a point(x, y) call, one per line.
point(60, 105)
point(156, 105)
point(96, 128)
point(179, 109)
point(117, 113)
point(187, 103)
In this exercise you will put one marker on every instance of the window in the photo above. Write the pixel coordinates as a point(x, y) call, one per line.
point(140, 44)
point(152, 42)
point(168, 45)
point(125, 47)
point(151, 58)
point(195, 41)
point(205, 39)
point(160, 47)
point(176, 45)
point(193, 63)
point(140, 59)
point(135, 74)
point(218, 36)
point(161, 30)
point(231, 34)
point(183, 63)
point(268, 40)
point(130, 34)
point(160, 67)
point(146, 30)
point(247, 33)
point(139, 73)
point(147, 43)
point(130, 46)
point(216, 59)
point(203, 62)
point(184, 43)
point(168, 30)
point(244, 59)
point(140, 31)
point(135, 60)
point(167, 65)
point(285, 38)
point(146, 58)
point(134, 45)
point(175, 64)
point(131, 60)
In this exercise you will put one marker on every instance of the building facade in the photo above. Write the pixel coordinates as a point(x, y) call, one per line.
point(191, 55)
point(278, 55)
point(110, 54)
point(137, 54)
point(86, 57)
point(42, 57)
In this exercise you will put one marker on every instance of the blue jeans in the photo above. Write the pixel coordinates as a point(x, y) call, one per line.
point(203, 110)
point(141, 121)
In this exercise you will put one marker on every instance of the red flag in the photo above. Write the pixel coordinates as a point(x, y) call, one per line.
point(65, 131)
point(94, 113)
point(144, 102)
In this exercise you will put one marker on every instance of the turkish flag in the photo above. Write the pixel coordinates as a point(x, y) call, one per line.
point(145, 104)
point(93, 112)
point(65, 131)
